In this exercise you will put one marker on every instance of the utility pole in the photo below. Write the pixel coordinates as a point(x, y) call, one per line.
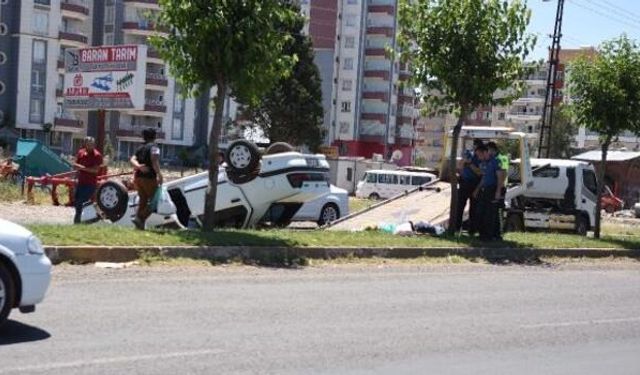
point(547, 111)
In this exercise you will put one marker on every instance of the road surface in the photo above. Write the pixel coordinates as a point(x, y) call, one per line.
point(340, 319)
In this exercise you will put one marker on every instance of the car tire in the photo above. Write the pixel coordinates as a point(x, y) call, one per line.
point(278, 148)
point(374, 196)
point(582, 225)
point(242, 157)
point(7, 293)
point(329, 213)
point(112, 199)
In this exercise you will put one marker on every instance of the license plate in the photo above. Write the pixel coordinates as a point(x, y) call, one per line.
point(313, 162)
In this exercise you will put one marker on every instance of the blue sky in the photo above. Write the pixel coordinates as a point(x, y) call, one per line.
point(586, 22)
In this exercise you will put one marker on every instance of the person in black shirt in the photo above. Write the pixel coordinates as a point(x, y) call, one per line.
point(147, 175)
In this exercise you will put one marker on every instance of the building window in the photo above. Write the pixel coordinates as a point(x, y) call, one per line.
point(40, 23)
point(352, 2)
point(501, 116)
point(344, 127)
point(347, 85)
point(108, 39)
point(346, 106)
point(37, 81)
point(109, 14)
point(39, 52)
point(36, 111)
point(176, 129)
point(348, 63)
point(349, 42)
point(350, 20)
point(42, 2)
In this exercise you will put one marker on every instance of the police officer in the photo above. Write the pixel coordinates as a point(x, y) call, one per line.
point(469, 179)
point(489, 193)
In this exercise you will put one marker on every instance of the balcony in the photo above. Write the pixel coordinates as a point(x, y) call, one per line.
point(379, 95)
point(529, 100)
point(382, 74)
point(404, 75)
point(73, 38)
point(380, 30)
point(77, 10)
point(404, 120)
point(154, 57)
point(65, 121)
point(388, 9)
point(156, 81)
point(524, 116)
point(375, 52)
point(143, 4)
point(136, 133)
point(405, 99)
point(143, 28)
point(380, 117)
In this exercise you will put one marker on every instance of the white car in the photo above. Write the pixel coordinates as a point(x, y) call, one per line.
point(328, 207)
point(250, 186)
point(25, 271)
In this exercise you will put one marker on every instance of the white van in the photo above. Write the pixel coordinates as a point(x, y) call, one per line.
point(378, 183)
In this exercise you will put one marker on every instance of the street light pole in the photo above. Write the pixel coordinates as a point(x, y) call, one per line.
point(547, 111)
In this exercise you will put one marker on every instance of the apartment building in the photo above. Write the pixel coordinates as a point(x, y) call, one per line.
point(370, 109)
point(32, 48)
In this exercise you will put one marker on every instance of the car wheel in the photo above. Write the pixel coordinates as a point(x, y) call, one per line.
point(7, 293)
point(243, 157)
point(278, 148)
point(330, 212)
point(112, 199)
point(374, 196)
point(582, 225)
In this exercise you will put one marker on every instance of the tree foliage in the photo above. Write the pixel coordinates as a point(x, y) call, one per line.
point(466, 51)
point(563, 133)
point(292, 110)
point(607, 92)
point(233, 45)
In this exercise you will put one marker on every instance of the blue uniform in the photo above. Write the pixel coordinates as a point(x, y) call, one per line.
point(467, 173)
point(489, 169)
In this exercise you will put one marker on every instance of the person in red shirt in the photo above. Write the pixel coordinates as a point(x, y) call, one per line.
point(88, 164)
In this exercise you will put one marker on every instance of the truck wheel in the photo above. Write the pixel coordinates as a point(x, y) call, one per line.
point(278, 148)
point(7, 293)
point(113, 199)
point(330, 212)
point(243, 157)
point(514, 223)
point(582, 225)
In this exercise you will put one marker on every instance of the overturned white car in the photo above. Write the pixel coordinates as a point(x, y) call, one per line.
point(250, 186)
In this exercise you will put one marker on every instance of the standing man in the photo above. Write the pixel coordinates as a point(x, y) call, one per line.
point(503, 175)
point(88, 164)
point(147, 175)
point(469, 179)
point(488, 194)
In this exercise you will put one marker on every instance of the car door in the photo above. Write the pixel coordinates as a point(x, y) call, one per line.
point(589, 194)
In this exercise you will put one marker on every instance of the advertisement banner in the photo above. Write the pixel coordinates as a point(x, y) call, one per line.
point(105, 77)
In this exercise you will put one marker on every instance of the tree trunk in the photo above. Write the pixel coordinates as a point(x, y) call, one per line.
point(214, 137)
point(601, 174)
point(453, 178)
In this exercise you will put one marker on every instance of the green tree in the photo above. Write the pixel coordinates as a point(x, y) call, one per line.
point(292, 110)
point(607, 88)
point(464, 50)
point(233, 45)
point(563, 132)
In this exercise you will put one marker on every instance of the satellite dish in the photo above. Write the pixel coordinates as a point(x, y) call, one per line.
point(396, 155)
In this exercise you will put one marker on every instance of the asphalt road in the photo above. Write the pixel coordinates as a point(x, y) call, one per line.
point(412, 319)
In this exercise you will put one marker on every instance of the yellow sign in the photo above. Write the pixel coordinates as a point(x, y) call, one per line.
point(329, 151)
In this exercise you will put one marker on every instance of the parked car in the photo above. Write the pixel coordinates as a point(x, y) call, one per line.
point(377, 184)
point(25, 271)
point(249, 185)
point(328, 207)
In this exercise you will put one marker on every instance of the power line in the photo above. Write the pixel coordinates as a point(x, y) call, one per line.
point(586, 7)
point(626, 11)
point(615, 11)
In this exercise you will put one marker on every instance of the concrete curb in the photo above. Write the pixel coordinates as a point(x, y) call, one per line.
point(279, 255)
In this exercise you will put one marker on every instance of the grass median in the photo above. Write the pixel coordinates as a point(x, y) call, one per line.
point(111, 235)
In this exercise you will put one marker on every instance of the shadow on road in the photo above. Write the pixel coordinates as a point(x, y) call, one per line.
point(17, 333)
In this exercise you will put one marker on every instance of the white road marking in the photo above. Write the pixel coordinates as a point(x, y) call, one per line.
point(581, 323)
point(108, 361)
